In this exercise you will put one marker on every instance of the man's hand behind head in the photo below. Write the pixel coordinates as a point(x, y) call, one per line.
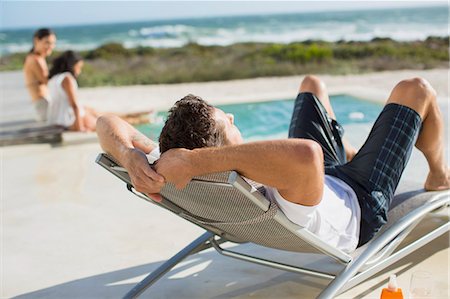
point(143, 177)
point(175, 165)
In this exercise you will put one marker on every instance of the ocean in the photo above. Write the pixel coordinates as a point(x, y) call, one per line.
point(399, 24)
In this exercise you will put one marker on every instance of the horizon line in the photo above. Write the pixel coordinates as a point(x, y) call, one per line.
point(338, 10)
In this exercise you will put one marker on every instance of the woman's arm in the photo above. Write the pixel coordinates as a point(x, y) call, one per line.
point(39, 69)
point(129, 146)
point(293, 166)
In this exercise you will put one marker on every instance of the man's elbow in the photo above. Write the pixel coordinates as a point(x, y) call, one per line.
point(101, 123)
point(104, 127)
point(105, 123)
point(309, 153)
point(309, 160)
point(304, 184)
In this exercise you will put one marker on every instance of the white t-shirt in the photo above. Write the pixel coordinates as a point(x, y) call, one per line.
point(60, 111)
point(335, 219)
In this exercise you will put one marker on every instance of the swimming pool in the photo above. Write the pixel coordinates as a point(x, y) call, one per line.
point(270, 120)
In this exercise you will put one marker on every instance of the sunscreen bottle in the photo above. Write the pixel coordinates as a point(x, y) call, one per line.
point(392, 291)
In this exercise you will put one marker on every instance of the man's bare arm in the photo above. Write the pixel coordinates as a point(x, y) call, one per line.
point(117, 137)
point(293, 166)
point(129, 147)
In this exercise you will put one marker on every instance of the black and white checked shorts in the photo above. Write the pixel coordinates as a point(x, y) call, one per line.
point(375, 171)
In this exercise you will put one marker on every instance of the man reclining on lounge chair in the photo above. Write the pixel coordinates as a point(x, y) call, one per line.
point(344, 203)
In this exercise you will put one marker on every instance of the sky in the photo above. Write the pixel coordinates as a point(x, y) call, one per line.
point(29, 14)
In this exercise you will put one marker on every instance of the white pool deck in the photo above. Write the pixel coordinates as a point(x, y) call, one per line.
point(69, 229)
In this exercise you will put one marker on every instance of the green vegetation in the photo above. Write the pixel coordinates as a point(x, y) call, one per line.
point(112, 64)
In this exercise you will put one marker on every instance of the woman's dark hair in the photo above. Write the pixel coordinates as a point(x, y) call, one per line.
point(40, 34)
point(64, 63)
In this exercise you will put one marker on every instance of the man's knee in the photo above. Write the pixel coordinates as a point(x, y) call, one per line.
point(416, 87)
point(416, 93)
point(312, 84)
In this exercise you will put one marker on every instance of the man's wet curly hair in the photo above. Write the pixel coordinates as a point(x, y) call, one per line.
point(191, 124)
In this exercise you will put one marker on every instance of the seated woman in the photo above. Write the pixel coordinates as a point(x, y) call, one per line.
point(64, 108)
point(36, 70)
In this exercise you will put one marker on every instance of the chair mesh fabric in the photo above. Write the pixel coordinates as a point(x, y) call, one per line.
point(229, 210)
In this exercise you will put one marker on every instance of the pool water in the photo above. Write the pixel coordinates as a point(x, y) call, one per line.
point(270, 120)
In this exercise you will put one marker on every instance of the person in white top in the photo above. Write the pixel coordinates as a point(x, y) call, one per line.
point(316, 177)
point(64, 108)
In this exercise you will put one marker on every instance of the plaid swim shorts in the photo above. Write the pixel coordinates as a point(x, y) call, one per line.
point(375, 171)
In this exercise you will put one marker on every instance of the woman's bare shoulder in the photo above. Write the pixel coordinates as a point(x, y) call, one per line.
point(69, 79)
point(31, 60)
point(31, 57)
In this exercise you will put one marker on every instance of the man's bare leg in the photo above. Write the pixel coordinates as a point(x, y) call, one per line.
point(316, 86)
point(419, 95)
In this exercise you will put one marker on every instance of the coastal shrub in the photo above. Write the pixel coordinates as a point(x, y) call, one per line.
point(319, 53)
point(12, 62)
point(299, 52)
point(143, 51)
point(112, 64)
point(108, 51)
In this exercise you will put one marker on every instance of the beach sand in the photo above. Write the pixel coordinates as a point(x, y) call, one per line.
point(72, 230)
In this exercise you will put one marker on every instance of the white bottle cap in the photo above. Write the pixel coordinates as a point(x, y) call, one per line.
point(392, 285)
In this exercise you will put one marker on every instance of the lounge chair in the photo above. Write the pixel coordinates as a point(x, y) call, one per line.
point(232, 208)
point(29, 131)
